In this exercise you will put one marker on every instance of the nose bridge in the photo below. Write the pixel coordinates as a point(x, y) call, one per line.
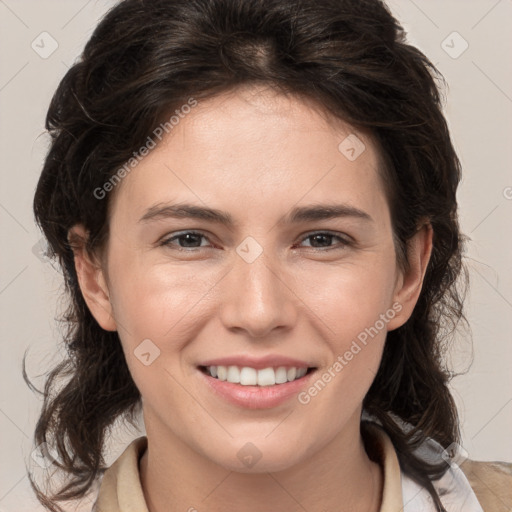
point(257, 298)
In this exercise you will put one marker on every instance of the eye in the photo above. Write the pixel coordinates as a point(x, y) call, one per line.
point(189, 239)
point(323, 239)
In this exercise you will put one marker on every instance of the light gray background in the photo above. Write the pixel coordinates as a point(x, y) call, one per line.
point(479, 105)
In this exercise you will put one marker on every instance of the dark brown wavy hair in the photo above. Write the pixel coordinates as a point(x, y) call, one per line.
point(145, 59)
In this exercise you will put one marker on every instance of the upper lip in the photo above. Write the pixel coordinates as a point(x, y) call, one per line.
point(257, 363)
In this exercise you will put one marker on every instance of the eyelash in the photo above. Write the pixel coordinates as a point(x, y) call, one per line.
point(343, 241)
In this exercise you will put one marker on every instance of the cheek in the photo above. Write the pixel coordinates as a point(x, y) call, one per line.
point(167, 303)
point(353, 307)
point(156, 310)
point(159, 309)
point(170, 304)
point(349, 298)
point(156, 300)
point(355, 311)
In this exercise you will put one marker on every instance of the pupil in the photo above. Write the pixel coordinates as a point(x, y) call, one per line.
point(190, 238)
point(325, 237)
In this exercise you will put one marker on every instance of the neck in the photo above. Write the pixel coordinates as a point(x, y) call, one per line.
point(338, 477)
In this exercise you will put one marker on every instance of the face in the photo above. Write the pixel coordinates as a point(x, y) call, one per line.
point(287, 264)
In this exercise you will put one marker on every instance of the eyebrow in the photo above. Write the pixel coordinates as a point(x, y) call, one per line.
point(310, 213)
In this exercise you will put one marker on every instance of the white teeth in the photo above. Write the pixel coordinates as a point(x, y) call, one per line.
point(247, 376)
point(266, 377)
point(222, 373)
point(233, 374)
point(281, 376)
point(301, 372)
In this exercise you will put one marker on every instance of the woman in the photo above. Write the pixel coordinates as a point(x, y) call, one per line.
point(254, 206)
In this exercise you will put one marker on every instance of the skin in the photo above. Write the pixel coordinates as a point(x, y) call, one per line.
point(255, 154)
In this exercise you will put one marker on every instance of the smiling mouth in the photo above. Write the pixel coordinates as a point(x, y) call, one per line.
point(247, 376)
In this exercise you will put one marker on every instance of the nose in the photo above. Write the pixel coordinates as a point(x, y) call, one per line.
point(257, 298)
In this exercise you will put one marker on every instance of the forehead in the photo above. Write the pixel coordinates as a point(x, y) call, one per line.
point(254, 146)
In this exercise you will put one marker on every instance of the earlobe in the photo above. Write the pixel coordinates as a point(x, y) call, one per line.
point(410, 281)
point(91, 279)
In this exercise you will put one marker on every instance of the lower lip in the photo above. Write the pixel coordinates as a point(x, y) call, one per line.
point(257, 397)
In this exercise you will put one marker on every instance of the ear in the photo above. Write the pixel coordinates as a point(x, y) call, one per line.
point(91, 279)
point(410, 281)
